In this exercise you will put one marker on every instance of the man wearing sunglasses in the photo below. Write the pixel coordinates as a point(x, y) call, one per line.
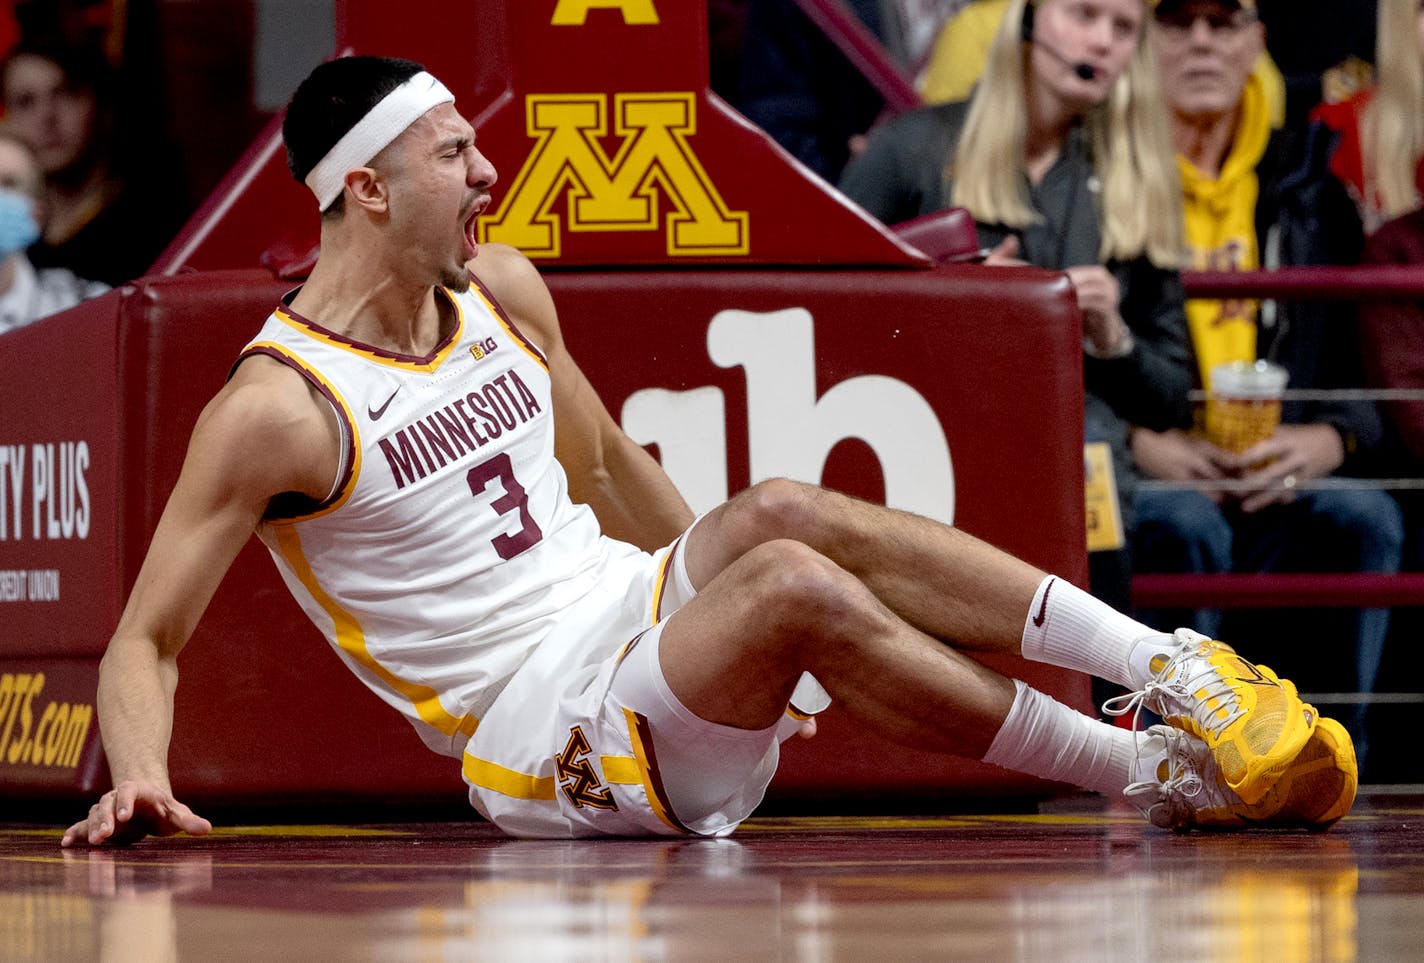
point(1256, 199)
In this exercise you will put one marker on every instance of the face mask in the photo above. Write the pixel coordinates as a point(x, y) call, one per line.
point(18, 229)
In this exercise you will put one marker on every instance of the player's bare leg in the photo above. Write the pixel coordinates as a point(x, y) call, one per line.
point(963, 591)
point(941, 580)
point(734, 654)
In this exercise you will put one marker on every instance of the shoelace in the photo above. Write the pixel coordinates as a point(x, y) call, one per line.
point(1132, 702)
point(1182, 783)
point(1207, 678)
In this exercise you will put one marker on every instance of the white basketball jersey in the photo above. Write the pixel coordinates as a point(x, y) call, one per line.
point(448, 544)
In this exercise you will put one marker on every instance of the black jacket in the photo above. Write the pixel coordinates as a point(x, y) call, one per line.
point(1304, 217)
point(903, 173)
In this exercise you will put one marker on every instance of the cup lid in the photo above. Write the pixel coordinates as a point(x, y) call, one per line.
point(1248, 379)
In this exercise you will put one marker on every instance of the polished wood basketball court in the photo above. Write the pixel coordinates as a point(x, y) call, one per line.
point(1072, 882)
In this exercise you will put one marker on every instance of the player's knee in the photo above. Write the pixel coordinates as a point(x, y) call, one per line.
point(782, 508)
point(804, 592)
point(770, 503)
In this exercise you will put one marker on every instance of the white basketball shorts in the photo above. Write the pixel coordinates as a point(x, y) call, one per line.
point(588, 740)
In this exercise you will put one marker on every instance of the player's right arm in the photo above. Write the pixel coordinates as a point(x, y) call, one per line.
point(263, 434)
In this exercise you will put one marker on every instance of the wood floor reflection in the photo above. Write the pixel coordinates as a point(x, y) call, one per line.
point(1071, 883)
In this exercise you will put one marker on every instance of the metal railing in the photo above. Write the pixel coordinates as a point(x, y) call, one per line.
point(1283, 590)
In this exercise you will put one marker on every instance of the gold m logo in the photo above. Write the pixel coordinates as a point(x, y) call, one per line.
point(574, 13)
point(619, 193)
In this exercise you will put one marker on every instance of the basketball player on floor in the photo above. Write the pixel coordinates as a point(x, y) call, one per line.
point(454, 508)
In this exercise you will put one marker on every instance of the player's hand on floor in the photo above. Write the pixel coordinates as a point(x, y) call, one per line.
point(131, 811)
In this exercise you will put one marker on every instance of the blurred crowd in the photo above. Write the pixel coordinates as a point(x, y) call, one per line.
point(78, 213)
point(1124, 142)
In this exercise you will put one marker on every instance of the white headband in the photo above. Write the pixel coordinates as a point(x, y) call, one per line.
point(382, 124)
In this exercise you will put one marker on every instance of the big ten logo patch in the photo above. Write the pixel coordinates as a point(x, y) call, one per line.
point(576, 775)
point(480, 349)
point(654, 160)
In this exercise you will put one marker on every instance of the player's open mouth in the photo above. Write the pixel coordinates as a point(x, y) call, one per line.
point(475, 211)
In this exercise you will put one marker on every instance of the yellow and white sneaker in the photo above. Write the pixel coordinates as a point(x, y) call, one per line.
point(1252, 720)
point(1183, 780)
point(1185, 790)
point(1314, 792)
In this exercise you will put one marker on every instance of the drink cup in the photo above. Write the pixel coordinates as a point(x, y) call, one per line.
point(1244, 404)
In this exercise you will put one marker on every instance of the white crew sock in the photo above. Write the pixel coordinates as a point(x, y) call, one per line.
point(1067, 627)
point(1043, 737)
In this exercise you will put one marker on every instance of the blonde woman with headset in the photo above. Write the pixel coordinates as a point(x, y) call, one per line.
point(1064, 157)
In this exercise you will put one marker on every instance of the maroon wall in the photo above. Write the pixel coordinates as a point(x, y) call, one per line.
point(266, 712)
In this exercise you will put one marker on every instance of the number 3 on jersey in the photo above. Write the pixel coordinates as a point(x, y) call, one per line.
point(515, 498)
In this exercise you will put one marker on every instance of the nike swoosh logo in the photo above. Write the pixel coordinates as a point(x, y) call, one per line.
point(1042, 615)
point(1256, 678)
point(375, 413)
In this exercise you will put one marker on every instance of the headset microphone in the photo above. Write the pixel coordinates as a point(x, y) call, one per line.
point(1084, 71)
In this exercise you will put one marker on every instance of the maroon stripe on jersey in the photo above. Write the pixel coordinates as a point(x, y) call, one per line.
point(630, 646)
point(529, 346)
point(664, 578)
point(655, 779)
point(290, 505)
point(371, 349)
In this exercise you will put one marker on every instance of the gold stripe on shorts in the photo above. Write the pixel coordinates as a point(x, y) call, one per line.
point(621, 770)
point(507, 782)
